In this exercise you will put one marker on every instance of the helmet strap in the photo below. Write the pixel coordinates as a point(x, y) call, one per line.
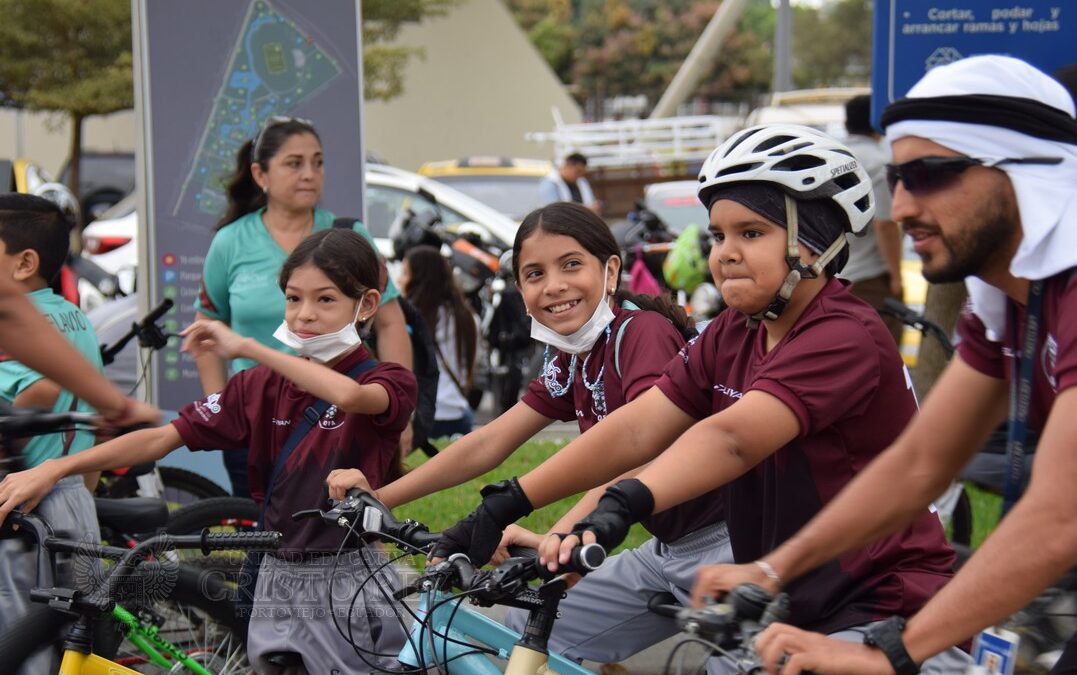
point(797, 269)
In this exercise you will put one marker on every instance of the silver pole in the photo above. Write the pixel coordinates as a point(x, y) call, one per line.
point(783, 48)
point(700, 59)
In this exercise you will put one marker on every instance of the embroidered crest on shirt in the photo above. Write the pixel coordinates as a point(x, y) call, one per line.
point(330, 420)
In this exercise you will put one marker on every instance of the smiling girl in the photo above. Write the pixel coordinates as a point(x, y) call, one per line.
point(330, 284)
point(602, 350)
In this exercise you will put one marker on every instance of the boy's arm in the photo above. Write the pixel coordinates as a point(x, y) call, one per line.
point(28, 488)
point(28, 337)
point(629, 437)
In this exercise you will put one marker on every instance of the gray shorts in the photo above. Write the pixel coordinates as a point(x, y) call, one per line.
point(69, 509)
point(604, 617)
point(292, 613)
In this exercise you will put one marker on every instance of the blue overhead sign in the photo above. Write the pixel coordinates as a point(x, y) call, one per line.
point(913, 36)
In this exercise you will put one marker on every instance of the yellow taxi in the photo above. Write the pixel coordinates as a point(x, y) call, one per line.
point(505, 184)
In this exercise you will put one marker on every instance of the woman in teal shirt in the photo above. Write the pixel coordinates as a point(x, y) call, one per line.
point(272, 206)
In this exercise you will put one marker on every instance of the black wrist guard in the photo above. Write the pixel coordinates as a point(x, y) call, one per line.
point(886, 637)
point(506, 502)
point(623, 504)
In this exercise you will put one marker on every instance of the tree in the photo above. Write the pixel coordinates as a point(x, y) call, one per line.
point(383, 63)
point(67, 56)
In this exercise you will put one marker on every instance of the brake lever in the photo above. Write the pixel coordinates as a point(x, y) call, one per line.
point(308, 513)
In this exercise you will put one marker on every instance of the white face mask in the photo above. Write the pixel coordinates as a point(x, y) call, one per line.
point(584, 338)
point(321, 348)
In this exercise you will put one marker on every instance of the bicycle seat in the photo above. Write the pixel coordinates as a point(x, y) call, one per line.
point(132, 515)
point(284, 659)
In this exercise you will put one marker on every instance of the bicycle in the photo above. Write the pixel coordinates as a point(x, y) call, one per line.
point(446, 635)
point(217, 646)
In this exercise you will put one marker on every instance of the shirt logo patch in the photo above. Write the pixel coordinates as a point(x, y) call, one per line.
point(330, 420)
point(1048, 360)
point(726, 390)
point(281, 423)
point(208, 407)
point(687, 346)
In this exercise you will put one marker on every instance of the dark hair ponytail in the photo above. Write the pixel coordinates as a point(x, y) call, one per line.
point(244, 195)
point(664, 305)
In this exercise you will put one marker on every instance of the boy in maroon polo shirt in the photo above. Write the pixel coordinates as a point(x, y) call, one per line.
point(782, 406)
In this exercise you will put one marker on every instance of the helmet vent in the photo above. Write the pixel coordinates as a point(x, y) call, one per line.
point(799, 163)
point(863, 204)
point(739, 168)
point(773, 141)
point(847, 180)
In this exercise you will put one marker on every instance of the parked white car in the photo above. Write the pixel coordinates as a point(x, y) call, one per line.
point(110, 241)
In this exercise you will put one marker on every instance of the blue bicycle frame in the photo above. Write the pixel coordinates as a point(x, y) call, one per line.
point(460, 659)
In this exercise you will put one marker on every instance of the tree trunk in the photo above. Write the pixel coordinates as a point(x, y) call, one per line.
point(75, 156)
point(943, 305)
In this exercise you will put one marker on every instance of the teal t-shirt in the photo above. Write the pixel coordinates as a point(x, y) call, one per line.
point(239, 279)
point(15, 377)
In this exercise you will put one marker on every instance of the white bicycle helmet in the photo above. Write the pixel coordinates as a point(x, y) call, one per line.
point(806, 164)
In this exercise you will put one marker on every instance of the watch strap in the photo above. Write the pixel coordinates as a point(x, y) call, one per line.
point(886, 637)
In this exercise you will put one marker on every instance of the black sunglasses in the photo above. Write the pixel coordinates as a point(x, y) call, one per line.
point(930, 173)
point(272, 122)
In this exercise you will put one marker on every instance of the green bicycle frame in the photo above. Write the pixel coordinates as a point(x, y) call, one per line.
point(145, 637)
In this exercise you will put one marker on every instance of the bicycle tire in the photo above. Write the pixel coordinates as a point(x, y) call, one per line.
point(181, 487)
point(37, 629)
point(217, 514)
point(198, 618)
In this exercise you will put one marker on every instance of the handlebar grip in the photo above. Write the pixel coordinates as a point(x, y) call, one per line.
point(156, 313)
point(584, 558)
point(220, 541)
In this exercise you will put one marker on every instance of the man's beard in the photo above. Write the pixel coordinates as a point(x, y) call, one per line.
point(972, 249)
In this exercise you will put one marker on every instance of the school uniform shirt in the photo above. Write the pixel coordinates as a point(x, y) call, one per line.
point(839, 372)
point(1056, 345)
point(647, 344)
point(240, 274)
point(16, 378)
point(259, 408)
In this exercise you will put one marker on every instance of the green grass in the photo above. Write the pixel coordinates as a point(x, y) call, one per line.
point(443, 509)
point(986, 507)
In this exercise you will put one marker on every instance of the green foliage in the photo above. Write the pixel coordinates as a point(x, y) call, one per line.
point(66, 55)
point(605, 48)
point(445, 508)
point(383, 62)
point(832, 45)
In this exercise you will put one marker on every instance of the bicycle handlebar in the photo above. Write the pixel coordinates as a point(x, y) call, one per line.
point(129, 559)
point(19, 422)
point(361, 511)
point(146, 330)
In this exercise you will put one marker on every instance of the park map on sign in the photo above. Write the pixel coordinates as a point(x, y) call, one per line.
point(275, 65)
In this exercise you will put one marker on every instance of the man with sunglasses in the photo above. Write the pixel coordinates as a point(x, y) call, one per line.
point(984, 181)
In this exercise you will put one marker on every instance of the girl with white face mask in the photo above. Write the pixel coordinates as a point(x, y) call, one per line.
point(601, 350)
point(329, 283)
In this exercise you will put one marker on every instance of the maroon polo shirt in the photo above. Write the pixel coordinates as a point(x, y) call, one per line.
point(258, 409)
point(649, 341)
point(1056, 345)
point(839, 371)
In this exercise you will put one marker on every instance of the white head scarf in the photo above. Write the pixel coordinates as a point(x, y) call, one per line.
point(1045, 193)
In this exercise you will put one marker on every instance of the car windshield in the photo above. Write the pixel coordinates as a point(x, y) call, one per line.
point(678, 211)
point(515, 196)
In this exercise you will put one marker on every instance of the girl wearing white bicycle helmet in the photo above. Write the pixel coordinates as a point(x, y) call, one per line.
point(781, 401)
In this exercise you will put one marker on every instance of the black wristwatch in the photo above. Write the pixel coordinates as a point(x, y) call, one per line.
point(886, 637)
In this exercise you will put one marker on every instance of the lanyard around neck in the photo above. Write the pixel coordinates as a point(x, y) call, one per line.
point(1021, 398)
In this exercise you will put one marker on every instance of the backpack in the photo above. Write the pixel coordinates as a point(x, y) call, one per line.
point(685, 267)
